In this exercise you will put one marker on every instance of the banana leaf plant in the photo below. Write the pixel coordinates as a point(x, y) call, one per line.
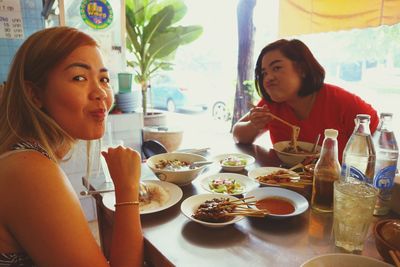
point(153, 37)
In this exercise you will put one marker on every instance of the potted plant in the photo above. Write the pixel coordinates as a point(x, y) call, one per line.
point(153, 37)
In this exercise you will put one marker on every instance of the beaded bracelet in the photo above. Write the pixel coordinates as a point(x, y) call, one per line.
point(126, 203)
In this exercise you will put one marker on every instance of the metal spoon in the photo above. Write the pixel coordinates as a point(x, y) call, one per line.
point(198, 164)
point(144, 195)
point(313, 150)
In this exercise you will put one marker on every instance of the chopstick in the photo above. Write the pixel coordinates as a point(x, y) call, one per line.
point(395, 254)
point(283, 121)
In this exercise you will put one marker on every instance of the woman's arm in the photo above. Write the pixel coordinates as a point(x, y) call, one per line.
point(124, 165)
point(251, 125)
point(43, 214)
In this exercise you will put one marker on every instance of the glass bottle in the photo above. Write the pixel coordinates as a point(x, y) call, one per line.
point(387, 153)
point(326, 171)
point(358, 160)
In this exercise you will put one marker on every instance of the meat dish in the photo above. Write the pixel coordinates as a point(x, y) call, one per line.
point(214, 211)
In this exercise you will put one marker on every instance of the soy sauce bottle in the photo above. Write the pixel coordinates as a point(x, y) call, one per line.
point(326, 172)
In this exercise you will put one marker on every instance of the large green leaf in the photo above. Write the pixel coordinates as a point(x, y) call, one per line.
point(138, 8)
point(133, 36)
point(187, 34)
point(179, 7)
point(158, 24)
point(163, 44)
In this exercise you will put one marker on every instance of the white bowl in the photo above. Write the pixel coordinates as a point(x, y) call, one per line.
point(249, 160)
point(344, 260)
point(243, 180)
point(191, 204)
point(292, 159)
point(299, 202)
point(178, 177)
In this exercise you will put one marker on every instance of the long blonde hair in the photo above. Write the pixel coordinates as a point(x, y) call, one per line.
point(20, 118)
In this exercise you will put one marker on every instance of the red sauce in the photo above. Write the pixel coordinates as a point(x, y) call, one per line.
point(275, 205)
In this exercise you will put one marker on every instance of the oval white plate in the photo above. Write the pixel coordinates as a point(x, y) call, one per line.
point(190, 205)
point(344, 260)
point(250, 160)
point(175, 194)
point(262, 171)
point(299, 202)
point(243, 180)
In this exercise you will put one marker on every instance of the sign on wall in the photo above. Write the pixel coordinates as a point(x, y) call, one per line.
point(98, 14)
point(11, 26)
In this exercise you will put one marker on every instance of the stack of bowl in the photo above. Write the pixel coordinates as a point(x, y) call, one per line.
point(127, 102)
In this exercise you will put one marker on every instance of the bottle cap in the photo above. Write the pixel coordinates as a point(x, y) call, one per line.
point(331, 133)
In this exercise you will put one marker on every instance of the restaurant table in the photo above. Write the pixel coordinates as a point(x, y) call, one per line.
point(171, 239)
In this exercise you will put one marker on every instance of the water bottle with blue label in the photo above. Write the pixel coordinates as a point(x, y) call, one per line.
point(358, 161)
point(387, 153)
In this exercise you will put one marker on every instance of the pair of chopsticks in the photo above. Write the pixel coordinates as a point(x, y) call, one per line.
point(395, 254)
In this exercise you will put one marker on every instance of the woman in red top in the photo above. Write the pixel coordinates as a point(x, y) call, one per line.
point(291, 83)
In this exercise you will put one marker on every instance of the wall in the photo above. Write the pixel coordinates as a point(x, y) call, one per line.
point(32, 22)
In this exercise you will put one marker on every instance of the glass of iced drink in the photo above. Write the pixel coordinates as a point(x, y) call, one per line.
point(353, 207)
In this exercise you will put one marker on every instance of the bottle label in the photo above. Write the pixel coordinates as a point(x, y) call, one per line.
point(384, 179)
point(350, 171)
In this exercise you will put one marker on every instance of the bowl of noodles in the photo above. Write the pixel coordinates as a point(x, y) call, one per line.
point(290, 157)
point(176, 167)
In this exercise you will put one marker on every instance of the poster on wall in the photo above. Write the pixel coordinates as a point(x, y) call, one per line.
point(11, 25)
point(97, 14)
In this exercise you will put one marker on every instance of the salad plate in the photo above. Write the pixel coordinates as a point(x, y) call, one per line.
point(163, 196)
point(234, 162)
point(190, 205)
point(228, 183)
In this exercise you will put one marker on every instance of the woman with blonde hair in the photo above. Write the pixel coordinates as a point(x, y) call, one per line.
point(58, 92)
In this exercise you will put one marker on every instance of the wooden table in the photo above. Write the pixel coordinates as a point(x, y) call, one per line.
point(173, 240)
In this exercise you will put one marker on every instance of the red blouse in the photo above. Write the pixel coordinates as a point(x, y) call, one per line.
point(333, 108)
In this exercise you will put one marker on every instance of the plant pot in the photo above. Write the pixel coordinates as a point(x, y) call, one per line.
point(155, 118)
point(171, 138)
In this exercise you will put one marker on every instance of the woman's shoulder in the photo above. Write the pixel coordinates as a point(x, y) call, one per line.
point(25, 167)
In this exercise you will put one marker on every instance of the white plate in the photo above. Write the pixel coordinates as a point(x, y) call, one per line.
point(243, 180)
point(299, 202)
point(175, 194)
point(262, 171)
point(250, 160)
point(190, 205)
point(344, 260)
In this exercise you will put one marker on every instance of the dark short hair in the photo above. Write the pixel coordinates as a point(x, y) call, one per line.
point(296, 51)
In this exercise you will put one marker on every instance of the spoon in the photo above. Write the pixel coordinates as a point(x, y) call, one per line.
point(198, 164)
point(144, 195)
point(316, 144)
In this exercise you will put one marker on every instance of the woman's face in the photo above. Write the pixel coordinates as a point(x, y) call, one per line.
point(281, 79)
point(78, 94)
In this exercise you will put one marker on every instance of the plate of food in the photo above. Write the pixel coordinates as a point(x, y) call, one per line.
point(234, 161)
point(212, 210)
point(273, 176)
point(162, 196)
point(279, 202)
point(228, 183)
